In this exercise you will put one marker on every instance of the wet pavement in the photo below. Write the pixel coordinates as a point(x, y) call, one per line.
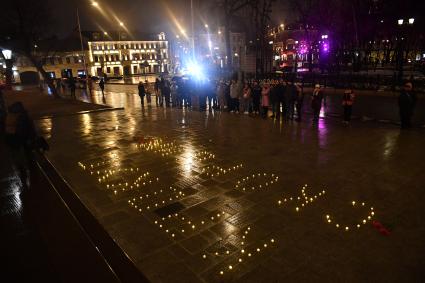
point(368, 107)
point(23, 251)
point(208, 197)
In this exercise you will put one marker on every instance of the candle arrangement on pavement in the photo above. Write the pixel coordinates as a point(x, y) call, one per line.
point(301, 200)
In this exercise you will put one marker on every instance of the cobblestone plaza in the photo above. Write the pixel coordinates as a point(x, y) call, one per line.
point(209, 197)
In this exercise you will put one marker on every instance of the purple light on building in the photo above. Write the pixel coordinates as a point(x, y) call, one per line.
point(325, 47)
point(302, 49)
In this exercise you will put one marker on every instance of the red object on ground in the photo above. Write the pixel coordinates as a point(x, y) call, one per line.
point(381, 229)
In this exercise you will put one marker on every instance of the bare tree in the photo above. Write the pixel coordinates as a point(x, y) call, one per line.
point(229, 10)
point(24, 28)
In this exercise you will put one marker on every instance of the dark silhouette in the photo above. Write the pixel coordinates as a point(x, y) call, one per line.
point(406, 103)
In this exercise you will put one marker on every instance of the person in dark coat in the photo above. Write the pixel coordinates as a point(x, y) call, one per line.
point(102, 86)
point(20, 137)
point(274, 98)
point(280, 98)
point(256, 97)
point(299, 103)
point(406, 103)
point(166, 92)
point(142, 93)
point(72, 86)
point(316, 102)
point(156, 87)
point(347, 104)
point(291, 96)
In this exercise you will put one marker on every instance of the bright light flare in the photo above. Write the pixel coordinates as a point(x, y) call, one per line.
point(196, 71)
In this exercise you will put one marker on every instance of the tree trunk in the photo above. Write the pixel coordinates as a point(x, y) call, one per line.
point(45, 76)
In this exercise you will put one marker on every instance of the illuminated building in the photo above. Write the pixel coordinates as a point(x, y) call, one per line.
point(115, 55)
point(127, 57)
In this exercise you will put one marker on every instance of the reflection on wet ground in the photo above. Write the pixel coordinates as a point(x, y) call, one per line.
point(23, 251)
point(194, 196)
point(379, 108)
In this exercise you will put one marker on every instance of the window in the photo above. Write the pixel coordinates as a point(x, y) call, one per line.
point(134, 69)
point(117, 57)
point(96, 58)
point(115, 46)
point(107, 57)
point(52, 60)
point(60, 61)
point(76, 60)
point(108, 69)
point(68, 60)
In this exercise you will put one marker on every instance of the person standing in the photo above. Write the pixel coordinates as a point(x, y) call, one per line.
point(347, 104)
point(174, 94)
point(246, 99)
point(142, 93)
point(221, 95)
point(156, 90)
point(234, 88)
point(72, 86)
point(256, 97)
point(265, 99)
point(161, 91)
point(148, 93)
point(280, 96)
point(300, 102)
point(406, 103)
point(273, 97)
point(20, 137)
point(292, 96)
point(166, 92)
point(316, 102)
point(102, 86)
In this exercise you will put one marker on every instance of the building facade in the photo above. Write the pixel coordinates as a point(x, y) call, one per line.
point(58, 65)
point(117, 58)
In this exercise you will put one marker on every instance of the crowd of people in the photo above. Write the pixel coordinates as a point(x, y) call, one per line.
point(283, 98)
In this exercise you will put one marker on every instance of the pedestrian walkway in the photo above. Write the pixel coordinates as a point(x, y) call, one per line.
point(23, 251)
point(204, 197)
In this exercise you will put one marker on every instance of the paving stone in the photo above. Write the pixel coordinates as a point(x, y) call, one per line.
point(364, 162)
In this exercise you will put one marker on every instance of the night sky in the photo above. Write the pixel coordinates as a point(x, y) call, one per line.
point(147, 16)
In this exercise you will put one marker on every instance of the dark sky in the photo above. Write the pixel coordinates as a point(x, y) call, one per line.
point(147, 16)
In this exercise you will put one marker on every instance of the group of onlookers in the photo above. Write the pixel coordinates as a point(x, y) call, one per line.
point(283, 98)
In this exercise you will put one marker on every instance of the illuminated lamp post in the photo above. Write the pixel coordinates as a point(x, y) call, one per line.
point(325, 48)
point(7, 55)
point(401, 45)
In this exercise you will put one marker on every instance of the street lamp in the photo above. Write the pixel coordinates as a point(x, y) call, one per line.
point(7, 54)
point(400, 22)
point(411, 21)
point(95, 4)
point(121, 24)
point(206, 26)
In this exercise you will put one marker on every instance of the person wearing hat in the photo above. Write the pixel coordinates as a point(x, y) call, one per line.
point(347, 103)
point(316, 102)
point(406, 103)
